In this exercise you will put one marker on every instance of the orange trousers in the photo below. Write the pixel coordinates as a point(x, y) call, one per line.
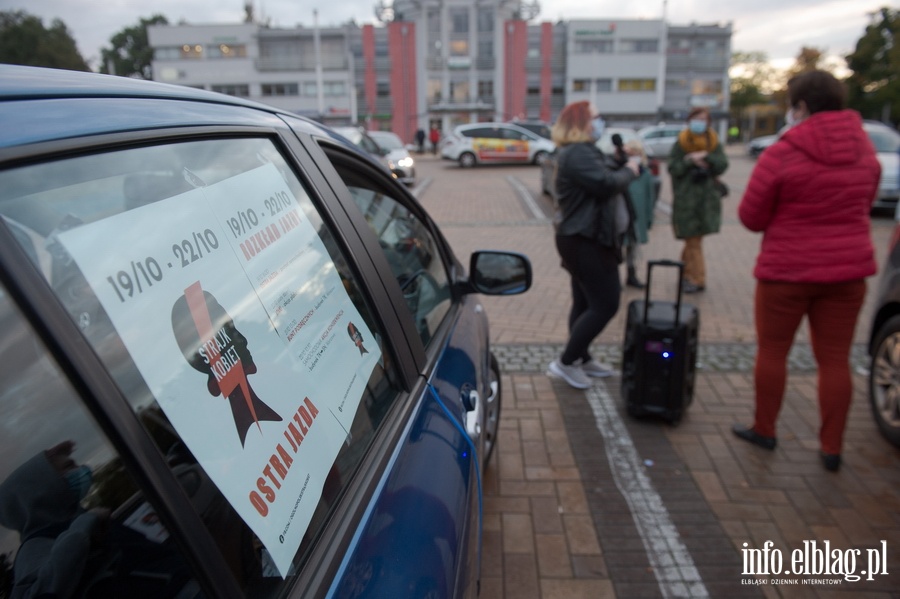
point(694, 264)
point(832, 310)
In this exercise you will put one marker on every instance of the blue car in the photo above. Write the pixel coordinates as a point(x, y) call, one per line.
point(238, 358)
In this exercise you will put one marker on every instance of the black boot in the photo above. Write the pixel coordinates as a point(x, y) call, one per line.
point(632, 280)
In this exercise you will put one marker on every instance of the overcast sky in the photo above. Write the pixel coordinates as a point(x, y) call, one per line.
point(778, 27)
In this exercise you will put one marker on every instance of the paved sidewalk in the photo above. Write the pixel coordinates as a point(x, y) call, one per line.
point(583, 501)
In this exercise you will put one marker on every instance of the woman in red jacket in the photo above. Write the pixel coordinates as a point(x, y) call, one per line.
point(810, 195)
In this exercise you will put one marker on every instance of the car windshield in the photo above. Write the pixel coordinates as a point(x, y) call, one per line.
point(387, 141)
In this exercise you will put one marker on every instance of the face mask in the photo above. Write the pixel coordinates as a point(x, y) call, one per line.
point(597, 127)
point(697, 126)
point(790, 119)
point(80, 480)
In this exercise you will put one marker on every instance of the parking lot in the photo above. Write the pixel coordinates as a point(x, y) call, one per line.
point(582, 501)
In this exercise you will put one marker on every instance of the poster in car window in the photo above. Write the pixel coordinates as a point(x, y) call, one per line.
point(235, 314)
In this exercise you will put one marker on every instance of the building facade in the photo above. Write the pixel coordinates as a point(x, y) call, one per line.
point(447, 62)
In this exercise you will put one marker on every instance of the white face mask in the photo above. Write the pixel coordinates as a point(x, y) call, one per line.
point(597, 127)
point(697, 125)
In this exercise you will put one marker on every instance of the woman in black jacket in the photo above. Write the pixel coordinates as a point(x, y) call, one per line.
point(591, 222)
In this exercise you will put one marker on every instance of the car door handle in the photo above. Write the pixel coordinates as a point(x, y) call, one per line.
point(470, 400)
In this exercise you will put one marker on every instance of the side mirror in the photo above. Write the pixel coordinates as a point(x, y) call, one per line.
point(498, 273)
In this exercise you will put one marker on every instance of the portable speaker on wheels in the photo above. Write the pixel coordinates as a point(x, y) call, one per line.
point(659, 357)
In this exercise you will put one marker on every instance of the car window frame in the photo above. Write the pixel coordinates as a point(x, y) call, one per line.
point(102, 397)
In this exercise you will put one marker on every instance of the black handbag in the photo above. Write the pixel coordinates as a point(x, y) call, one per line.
point(721, 187)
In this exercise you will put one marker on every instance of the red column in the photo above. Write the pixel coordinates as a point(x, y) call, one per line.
point(546, 70)
point(515, 82)
point(402, 51)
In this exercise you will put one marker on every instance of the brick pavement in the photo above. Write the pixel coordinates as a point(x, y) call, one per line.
point(561, 518)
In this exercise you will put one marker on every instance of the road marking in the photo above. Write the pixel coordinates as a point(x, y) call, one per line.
point(668, 556)
point(525, 194)
point(420, 188)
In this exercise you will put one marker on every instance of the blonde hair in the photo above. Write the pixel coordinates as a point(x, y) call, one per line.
point(636, 148)
point(573, 124)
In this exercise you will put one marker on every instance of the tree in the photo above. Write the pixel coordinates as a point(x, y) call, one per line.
point(752, 80)
point(873, 88)
point(24, 40)
point(131, 54)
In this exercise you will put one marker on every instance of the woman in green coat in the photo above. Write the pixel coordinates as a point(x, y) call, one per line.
point(695, 162)
point(642, 193)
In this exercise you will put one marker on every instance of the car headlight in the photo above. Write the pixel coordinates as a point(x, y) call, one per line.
point(406, 162)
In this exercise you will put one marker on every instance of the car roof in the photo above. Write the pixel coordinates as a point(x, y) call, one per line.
point(55, 109)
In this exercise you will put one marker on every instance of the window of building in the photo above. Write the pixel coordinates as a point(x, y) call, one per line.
point(280, 89)
point(645, 46)
point(167, 53)
point(593, 47)
point(310, 89)
point(383, 89)
point(234, 89)
point(459, 47)
point(381, 48)
point(700, 87)
point(459, 91)
point(486, 48)
point(581, 85)
point(637, 85)
point(191, 51)
point(603, 85)
point(334, 88)
point(485, 20)
point(459, 20)
point(227, 51)
point(485, 89)
point(533, 90)
point(435, 90)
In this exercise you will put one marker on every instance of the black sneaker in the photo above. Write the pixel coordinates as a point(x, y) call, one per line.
point(748, 434)
point(831, 461)
point(689, 287)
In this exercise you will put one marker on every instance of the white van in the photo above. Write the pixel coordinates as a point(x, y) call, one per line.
point(483, 143)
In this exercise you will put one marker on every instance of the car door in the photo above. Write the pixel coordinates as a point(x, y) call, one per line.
point(454, 390)
point(157, 270)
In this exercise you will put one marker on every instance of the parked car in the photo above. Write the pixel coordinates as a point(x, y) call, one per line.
point(483, 143)
point(401, 162)
point(605, 143)
point(887, 146)
point(884, 343)
point(758, 145)
point(659, 139)
point(238, 347)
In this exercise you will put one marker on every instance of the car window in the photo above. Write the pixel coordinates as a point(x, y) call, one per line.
point(884, 140)
point(411, 250)
point(479, 132)
point(388, 141)
point(509, 133)
point(207, 281)
point(73, 521)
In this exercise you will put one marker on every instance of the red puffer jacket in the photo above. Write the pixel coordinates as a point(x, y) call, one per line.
point(810, 194)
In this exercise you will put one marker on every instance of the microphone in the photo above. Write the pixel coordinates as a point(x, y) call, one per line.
point(621, 154)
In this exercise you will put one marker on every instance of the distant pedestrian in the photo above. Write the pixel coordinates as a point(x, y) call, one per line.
point(435, 138)
point(696, 160)
point(420, 140)
point(810, 195)
point(642, 193)
point(591, 222)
